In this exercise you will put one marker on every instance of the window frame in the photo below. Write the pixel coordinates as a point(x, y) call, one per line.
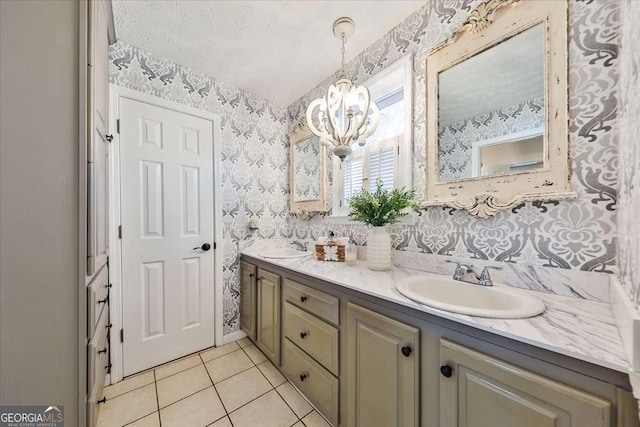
point(379, 86)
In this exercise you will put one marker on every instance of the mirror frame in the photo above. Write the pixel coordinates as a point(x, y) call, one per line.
point(307, 209)
point(492, 22)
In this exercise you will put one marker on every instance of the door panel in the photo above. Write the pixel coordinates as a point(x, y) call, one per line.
point(382, 381)
point(167, 215)
point(248, 299)
point(269, 315)
point(484, 392)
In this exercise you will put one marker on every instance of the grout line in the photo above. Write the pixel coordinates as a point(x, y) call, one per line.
point(245, 404)
point(144, 416)
point(218, 394)
point(157, 399)
point(183, 398)
point(224, 416)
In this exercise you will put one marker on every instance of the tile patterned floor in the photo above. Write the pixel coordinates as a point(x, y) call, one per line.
point(229, 386)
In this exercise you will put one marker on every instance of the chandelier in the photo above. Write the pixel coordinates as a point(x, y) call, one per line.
point(346, 114)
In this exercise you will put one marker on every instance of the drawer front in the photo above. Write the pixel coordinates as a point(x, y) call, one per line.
point(98, 353)
point(315, 382)
point(97, 293)
point(322, 305)
point(318, 338)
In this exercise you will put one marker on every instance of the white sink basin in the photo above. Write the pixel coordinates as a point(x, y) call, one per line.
point(496, 301)
point(284, 253)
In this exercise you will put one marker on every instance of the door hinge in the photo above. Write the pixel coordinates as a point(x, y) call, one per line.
point(398, 150)
point(214, 246)
point(119, 232)
point(121, 335)
point(340, 203)
point(118, 125)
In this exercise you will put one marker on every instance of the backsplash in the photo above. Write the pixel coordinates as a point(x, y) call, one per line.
point(255, 152)
point(578, 234)
point(629, 181)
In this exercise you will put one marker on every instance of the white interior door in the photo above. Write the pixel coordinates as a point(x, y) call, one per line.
point(167, 211)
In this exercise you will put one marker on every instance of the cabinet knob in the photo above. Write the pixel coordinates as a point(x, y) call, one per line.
point(303, 377)
point(251, 274)
point(303, 298)
point(303, 335)
point(406, 351)
point(446, 370)
point(103, 400)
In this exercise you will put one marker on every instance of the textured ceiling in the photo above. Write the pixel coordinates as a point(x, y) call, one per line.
point(275, 49)
point(503, 76)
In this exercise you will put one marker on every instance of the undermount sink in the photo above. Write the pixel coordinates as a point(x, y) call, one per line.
point(496, 301)
point(283, 253)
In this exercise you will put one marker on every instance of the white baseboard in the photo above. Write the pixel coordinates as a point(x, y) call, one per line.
point(233, 336)
point(628, 320)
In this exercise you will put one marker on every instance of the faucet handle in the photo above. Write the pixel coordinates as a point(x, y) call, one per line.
point(485, 276)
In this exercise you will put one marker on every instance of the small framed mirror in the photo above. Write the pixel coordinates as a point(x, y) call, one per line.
point(308, 173)
point(497, 109)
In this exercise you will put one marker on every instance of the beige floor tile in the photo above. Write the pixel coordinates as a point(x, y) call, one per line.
point(178, 366)
point(224, 422)
point(198, 410)
point(152, 420)
point(294, 399)
point(254, 354)
point(315, 420)
point(129, 407)
point(266, 411)
point(244, 342)
point(128, 384)
point(241, 388)
point(182, 385)
point(219, 351)
point(272, 373)
point(228, 365)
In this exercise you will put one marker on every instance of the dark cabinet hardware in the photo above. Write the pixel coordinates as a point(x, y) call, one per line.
point(303, 377)
point(303, 298)
point(103, 301)
point(109, 326)
point(103, 400)
point(251, 274)
point(446, 370)
point(109, 138)
point(406, 351)
point(104, 350)
point(303, 335)
point(205, 247)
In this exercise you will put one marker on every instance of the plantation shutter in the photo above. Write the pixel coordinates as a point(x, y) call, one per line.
point(353, 173)
point(382, 164)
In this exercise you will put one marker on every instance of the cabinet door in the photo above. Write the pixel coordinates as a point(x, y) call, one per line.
point(248, 299)
point(479, 391)
point(268, 339)
point(383, 357)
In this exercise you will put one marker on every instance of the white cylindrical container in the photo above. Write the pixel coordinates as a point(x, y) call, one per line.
point(379, 249)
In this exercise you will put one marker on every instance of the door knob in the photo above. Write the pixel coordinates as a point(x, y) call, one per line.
point(205, 247)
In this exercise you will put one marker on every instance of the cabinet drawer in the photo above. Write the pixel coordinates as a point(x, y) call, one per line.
point(316, 302)
point(98, 354)
point(97, 293)
point(315, 336)
point(315, 382)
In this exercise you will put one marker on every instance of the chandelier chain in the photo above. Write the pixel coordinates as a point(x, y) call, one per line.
point(344, 41)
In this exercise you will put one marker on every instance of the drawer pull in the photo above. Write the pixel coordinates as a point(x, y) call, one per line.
point(103, 301)
point(406, 351)
point(303, 377)
point(303, 298)
point(251, 274)
point(104, 350)
point(103, 400)
point(109, 326)
point(303, 335)
point(446, 370)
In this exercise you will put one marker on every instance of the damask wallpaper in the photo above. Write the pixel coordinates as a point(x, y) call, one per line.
point(456, 139)
point(629, 181)
point(255, 152)
point(578, 234)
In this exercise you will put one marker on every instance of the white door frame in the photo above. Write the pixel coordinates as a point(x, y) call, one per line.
point(115, 244)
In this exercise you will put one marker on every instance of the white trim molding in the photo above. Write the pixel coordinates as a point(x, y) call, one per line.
point(115, 261)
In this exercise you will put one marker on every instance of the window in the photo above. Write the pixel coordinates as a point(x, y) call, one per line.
point(387, 153)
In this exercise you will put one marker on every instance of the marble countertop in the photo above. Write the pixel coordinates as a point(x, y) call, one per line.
point(578, 328)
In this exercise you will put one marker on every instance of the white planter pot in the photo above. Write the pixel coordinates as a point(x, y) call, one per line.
point(379, 249)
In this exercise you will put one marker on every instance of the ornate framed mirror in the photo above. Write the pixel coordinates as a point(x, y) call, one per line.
point(308, 173)
point(497, 109)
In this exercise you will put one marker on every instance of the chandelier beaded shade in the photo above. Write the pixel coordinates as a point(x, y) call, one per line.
point(346, 114)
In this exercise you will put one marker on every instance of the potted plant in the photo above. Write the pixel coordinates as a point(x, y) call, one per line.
point(378, 209)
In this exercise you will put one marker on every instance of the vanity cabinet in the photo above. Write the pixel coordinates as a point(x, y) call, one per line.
point(268, 315)
point(248, 299)
point(383, 370)
point(479, 391)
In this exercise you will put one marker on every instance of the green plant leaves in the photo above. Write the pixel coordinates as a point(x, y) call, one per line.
point(382, 207)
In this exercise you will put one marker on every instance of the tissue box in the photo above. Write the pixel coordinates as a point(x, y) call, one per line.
point(330, 252)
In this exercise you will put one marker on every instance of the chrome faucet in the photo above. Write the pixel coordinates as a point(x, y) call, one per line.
point(463, 271)
point(300, 245)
